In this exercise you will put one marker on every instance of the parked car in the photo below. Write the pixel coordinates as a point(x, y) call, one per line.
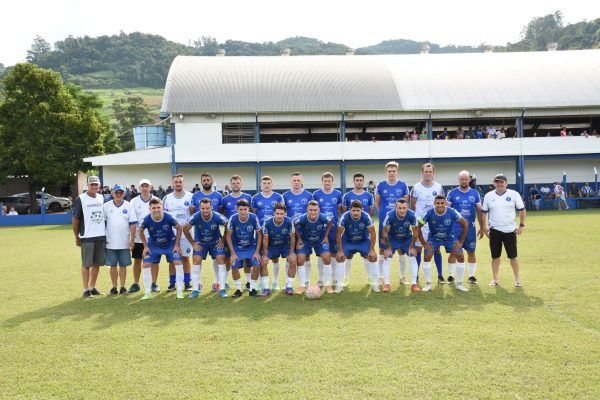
point(21, 204)
point(53, 203)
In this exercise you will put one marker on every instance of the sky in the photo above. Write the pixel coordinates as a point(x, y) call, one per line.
point(354, 23)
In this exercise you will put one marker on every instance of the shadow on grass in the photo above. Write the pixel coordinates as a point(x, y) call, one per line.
point(164, 308)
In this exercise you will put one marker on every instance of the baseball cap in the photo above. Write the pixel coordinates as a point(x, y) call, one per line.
point(118, 187)
point(500, 177)
point(93, 179)
point(146, 181)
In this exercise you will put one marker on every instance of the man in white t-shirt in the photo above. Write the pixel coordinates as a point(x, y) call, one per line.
point(121, 222)
point(90, 234)
point(499, 211)
point(141, 205)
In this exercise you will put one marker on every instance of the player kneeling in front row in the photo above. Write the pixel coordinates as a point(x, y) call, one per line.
point(440, 220)
point(208, 240)
point(162, 241)
point(243, 235)
point(312, 232)
point(356, 234)
point(399, 235)
point(279, 238)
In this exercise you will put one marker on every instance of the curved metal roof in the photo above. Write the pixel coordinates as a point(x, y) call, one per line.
point(383, 83)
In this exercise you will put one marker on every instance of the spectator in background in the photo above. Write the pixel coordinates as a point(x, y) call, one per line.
point(545, 190)
point(570, 133)
point(169, 190)
point(133, 191)
point(356, 139)
point(595, 133)
point(470, 134)
point(574, 190)
point(226, 190)
point(501, 134)
point(12, 211)
point(406, 136)
point(511, 132)
point(563, 132)
point(585, 133)
point(536, 197)
point(414, 135)
point(491, 133)
point(491, 187)
point(423, 135)
point(479, 133)
point(443, 135)
point(196, 188)
point(460, 134)
point(160, 193)
point(586, 190)
point(371, 187)
point(560, 199)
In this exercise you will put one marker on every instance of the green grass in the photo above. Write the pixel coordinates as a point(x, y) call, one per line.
point(152, 97)
point(542, 341)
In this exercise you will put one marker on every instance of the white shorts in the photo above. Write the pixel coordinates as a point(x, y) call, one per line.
point(186, 247)
point(425, 231)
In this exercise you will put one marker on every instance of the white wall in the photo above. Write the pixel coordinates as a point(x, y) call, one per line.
point(220, 176)
point(312, 175)
point(192, 139)
point(580, 170)
point(159, 174)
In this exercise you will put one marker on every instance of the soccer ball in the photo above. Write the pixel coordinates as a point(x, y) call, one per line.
point(313, 292)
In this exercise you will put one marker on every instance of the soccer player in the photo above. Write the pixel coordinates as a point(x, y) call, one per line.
point(399, 234)
point(441, 220)
point(90, 234)
point(208, 239)
point(179, 205)
point(263, 205)
point(279, 239)
point(141, 206)
point(243, 235)
point(121, 222)
point(368, 202)
point(330, 203)
point(356, 234)
point(312, 233)
point(164, 235)
point(467, 202)
point(386, 194)
point(421, 201)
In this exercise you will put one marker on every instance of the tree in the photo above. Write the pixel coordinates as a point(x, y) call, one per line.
point(129, 112)
point(44, 131)
point(39, 48)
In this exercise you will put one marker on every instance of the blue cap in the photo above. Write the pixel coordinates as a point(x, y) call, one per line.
point(118, 187)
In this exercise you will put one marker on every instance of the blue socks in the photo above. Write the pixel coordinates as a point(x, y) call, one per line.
point(172, 279)
point(187, 278)
point(418, 257)
point(437, 258)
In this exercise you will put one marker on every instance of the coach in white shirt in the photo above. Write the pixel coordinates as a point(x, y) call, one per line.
point(500, 207)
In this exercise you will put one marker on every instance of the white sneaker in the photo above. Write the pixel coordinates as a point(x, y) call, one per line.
point(403, 281)
point(461, 288)
point(427, 287)
point(375, 288)
point(339, 289)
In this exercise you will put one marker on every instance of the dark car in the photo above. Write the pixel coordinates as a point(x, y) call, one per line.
point(53, 203)
point(21, 204)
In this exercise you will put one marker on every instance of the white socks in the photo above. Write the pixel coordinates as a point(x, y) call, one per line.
point(414, 270)
point(265, 282)
point(196, 271)
point(367, 265)
point(179, 276)
point(402, 262)
point(253, 284)
point(380, 266)
point(472, 267)
point(248, 276)
point(374, 269)
point(302, 275)
point(348, 268)
point(289, 283)
point(147, 279)
point(307, 267)
point(427, 271)
point(222, 276)
point(338, 273)
point(275, 272)
point(237, 284)
point(320, 266)
point(386, 267)
point(327, 272)
point(215, 271)
point(452, 268)
point(460, 272)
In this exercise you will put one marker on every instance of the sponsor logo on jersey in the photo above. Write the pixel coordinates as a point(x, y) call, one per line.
point(166, 227)
point(303, 201)
point(186, 203)
point(508, 199)
point(213, 227)
point(124, 211)
point(249, 228)
point(472, 199)
point(447, 222)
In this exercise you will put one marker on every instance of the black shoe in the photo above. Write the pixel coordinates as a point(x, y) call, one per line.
point(171, 287)
point(154, 288)
point(87, 294)
point(188, 287)
point(113, 291)
point(122, 290)
point(96, 292)
point(472, 280)
point(441, 280)
point(238, 293)
point(248, 286)
point(450, 280)
point(253, 293)
point(133, 288)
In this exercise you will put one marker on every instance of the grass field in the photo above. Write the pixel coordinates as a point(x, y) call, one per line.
point(541, 341)
point(152, 97)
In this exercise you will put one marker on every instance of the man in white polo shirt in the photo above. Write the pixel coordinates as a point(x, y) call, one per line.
point(499, 208)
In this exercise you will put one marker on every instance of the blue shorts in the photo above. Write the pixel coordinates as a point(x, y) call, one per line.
point(157, 252)
point(247, 256)
point(121, 257)
point(447, 244)
point(400, 245)
point(470, 243)
point(278, 251)
point(382, 245)
point(209, 248)
point(307, 248)
point(356, 247)
point(333, 240)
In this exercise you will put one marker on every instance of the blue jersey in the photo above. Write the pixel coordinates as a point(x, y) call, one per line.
point(365, 198)
point(388, 194)
point(265, 205)
point(214, 197)
point(440, 226)
point(243, 234)
point(207, 231)
point(312, 231)
point(329, 203)
point(161, 233)
point(229, 203)
point(296, 203)
point(400, 229)
point(356, 230)
point(465, 203)
point(279, 235)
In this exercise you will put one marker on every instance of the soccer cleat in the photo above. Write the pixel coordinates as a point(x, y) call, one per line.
point(461, 288)
point(194, 294)
point(289, 291)
point(133, 288)
point(403, 281)
point(215, 287)
point(155, 288)
point(248, 286)
point(415, 288)
point(96, 292)
point(426, 288)
point(301, 290)
point(375, 288)
point(329, 289)
point(179, 293)
point(494, 283)
point(275, 287)
point(188, 287)
point(223, 293)
point(387, 288)
point(113, 291)
point(171, 287)
point(450, 280)
point(265, 293)
point(147, 296)
point(238, 293)
point(87, 294)
point(472, 280)
point(253, 293)
point(518, 284)
point(339, 289)
point(346, 282)
point(441, 280)
point(122, 290)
